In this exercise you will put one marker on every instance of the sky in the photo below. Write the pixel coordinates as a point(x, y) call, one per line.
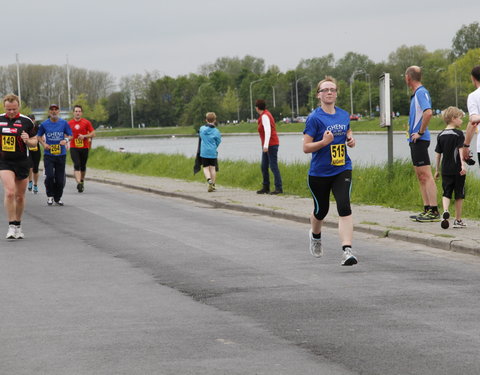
point(176, 37)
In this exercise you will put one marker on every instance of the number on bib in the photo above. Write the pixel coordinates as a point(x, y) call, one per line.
point(78, 142)
point(338, 154)
point(8, 143)
point(55, 149)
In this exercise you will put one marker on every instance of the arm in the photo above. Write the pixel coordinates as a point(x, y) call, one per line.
point(463, 171)
point(309, 146)
point(465, 151)
point(268, 131)
point(350, 139)
point(438, 157)
point(427, 115)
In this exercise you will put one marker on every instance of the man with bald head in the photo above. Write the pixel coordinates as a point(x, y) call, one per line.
point(419, 141)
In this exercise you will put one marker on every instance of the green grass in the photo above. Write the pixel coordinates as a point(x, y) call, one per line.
point(373, 185)
point(399, 124)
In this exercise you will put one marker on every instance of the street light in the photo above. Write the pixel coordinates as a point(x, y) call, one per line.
point(132, 102)
point(352, 78)
point(273, 90)
point(251, 99)
point(296, 90)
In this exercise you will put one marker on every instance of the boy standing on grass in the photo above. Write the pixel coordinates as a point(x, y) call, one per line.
point(210, 140)
point(450, 144)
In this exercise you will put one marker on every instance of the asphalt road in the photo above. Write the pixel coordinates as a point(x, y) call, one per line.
point(125, 282)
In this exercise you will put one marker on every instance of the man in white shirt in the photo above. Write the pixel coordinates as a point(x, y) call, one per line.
point(473, 105)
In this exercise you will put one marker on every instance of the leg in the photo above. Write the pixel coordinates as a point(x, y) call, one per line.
point(427, 185)
point(458, 209)
point(20, 187)
point(320, 189)
point(273, 163)
point(206, 172)
point(49, 175)
point(445, 203)
point(9, 193)
point(213, 173)
point(341, 188)
point(265, 172)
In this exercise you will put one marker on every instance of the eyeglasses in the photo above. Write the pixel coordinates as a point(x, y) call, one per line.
point(327, 90)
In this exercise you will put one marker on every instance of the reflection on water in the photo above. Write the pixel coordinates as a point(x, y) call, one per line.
point(370, 148)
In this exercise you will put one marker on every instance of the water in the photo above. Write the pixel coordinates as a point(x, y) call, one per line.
point(371, 148)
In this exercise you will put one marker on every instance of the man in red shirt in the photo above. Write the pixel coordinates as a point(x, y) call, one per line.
point(270, 143)
point(80, 143)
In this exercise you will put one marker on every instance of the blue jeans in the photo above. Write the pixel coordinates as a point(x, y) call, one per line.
point(269, 159)
point(54, 175)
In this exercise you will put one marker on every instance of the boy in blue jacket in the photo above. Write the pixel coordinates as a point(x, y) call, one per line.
point(210, 140)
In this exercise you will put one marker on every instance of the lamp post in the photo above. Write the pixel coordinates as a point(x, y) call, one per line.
point(352, 78)
point(296, 90)
point(18, 79)
point(456, 89)
point(251, 99)
point(132, 102)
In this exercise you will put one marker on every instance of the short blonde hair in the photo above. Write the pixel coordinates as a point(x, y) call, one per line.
point(11, 98)
point(327, 79)
point(451, 113)
point(211, 117)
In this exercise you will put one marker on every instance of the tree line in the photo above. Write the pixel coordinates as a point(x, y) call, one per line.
point(230, 85)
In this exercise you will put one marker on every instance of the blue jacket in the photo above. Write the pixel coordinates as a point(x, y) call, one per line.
point(211, 138)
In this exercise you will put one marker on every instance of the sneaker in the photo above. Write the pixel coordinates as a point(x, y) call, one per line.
point(80, 187)
point(459, 224)
point(59, 202)
point(12, 232)
point(348, 259)
point(445, 224)
point(214, 188)
point(210, 187)
point(428, 217)
point(264, 190)
point(276, 192)
point(35, 189)
point(50, 201)
point(18, 232)
point(30, 185)
point(316, 248)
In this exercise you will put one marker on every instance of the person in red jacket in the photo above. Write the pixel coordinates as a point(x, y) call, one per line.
point(270, 143)
point(80, 144)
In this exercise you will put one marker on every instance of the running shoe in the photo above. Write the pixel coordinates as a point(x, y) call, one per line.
point(445, 224)
point(459, 224)
point(210, 187)
point(414, 217)
point(80, 187)
point(50, 201)
point(348, 259)
point(59, 202)
point(35, 189)
point(12, 232)
point(316, 248)
point(30, 185)
point(264, 190)
point(428, 217)
point(214, 187)
point(19, 233)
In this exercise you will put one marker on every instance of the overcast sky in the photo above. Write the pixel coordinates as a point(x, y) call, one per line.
point(176, 37)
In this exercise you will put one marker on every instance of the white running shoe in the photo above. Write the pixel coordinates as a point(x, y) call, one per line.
point(50, 201)
point(59, 202)
point(459, 224)
point(316, 248)
point(348, 259)
point(19, 233)
point(12, 232)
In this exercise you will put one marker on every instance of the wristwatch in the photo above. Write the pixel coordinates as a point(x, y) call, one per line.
point(420, 134)
point(465, 145)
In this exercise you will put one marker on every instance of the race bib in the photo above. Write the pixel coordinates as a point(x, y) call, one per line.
point(78, 142)
point(337, 153)
point(55, 149)
point(8, 143)
point(33, 148)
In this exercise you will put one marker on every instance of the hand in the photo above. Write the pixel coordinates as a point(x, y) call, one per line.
point(414, 137)
point(81, 136)
point(350, 142)
point(64, 142)
point(328, 137)
point(465, 153)
point(25, 137)
point(463, 172)
point(436, 175)
point(265, 149)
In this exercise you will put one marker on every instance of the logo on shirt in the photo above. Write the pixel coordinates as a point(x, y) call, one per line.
point(9, 131)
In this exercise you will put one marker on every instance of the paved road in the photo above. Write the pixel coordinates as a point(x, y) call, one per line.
point(125, 282)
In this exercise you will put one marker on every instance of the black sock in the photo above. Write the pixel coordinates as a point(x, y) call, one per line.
point(434, 209)
point(317, 236)
point(11, 223)
point(344, 247)
point(426, 208)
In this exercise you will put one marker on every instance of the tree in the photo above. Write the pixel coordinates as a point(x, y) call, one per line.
point(466, 38)
point(230, 104)
point(459, 75)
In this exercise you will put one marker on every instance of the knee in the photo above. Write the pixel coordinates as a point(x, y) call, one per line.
point(344, 211)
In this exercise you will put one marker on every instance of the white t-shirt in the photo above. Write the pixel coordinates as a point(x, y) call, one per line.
point(473, 105)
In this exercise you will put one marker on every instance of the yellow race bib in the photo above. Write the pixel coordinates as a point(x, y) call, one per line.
point(78, 142)
point(8, 143)
point(337, 152)
point(55, 149)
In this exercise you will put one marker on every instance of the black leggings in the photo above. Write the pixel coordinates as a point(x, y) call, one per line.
point(79, 158)
point(340, 185)
point(35, 157)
